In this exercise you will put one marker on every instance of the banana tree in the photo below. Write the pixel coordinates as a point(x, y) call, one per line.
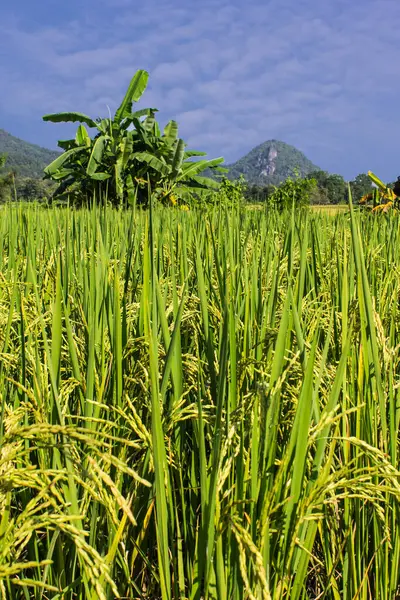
point(97, 164)
point(383, 197)
point(127, 155)
point(168, 165)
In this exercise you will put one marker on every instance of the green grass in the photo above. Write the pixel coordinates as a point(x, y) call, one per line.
point(199, 406)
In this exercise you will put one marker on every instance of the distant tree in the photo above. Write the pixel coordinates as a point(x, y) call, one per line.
point(258, 193)
point(30, 189)
point(331, 188)
point(319, 176)
point(395, 186)
point(6, 181)
point(336, 189)
point(297, 191)
point(319, 195)
point(231, 192)
point(360, 186)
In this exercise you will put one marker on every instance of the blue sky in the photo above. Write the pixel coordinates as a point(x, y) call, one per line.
point(323, 75)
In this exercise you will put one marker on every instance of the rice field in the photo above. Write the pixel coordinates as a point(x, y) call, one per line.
point(199, 406)
point(329, 209)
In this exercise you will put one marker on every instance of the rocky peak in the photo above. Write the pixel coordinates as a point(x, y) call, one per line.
point(271, 163)
point(268, 165)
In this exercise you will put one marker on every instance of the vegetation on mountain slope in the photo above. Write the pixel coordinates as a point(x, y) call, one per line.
point(23, 158)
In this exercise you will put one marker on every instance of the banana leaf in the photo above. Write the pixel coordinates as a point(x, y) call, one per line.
point(135, 90)
point(190, 169)
point(152, 161)
point(100, 176)
point(66, 144)
point(96, 155)
point(190, 153)
point(178, 157)
point(205, 182)
point(60, 160)
point(126, 148)
point(171, 132)
point(82, 137)
point(70, 117)
point(131, 190)
point(138, 114)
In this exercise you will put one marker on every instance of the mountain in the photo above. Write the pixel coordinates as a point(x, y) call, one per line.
point(271, 163)
point(25, 159)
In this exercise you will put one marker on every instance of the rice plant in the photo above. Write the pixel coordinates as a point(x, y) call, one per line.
point(199, 405)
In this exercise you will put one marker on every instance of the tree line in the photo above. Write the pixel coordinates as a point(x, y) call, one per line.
point(328, 189)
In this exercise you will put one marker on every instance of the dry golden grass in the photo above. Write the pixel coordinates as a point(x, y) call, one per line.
point(330, 209)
